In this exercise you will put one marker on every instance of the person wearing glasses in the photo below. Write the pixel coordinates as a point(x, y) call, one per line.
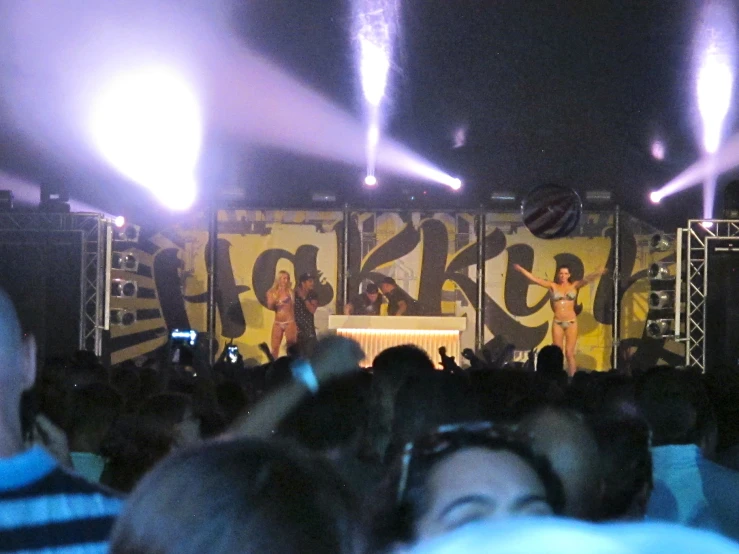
point(461, 474)
point(563, 299)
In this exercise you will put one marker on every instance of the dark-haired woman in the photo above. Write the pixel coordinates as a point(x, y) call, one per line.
point(563, 299)
point(466, 473)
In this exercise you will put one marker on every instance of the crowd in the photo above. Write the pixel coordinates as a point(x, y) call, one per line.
point(318, 455)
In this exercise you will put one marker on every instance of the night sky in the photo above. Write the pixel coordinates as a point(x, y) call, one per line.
point(548, 91)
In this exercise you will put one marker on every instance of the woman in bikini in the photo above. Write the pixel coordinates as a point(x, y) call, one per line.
point(563, 299)
point(281, 299)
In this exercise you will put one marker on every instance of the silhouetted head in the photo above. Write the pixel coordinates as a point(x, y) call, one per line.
point(239, 497)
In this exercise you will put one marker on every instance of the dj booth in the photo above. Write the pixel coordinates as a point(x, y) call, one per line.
point(376, 333)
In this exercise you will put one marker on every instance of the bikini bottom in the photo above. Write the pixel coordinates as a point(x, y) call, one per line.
point(284, 324)
point(564, 324)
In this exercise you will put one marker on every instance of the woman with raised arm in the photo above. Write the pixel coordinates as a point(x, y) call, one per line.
point(281, 299)
point(563, 299)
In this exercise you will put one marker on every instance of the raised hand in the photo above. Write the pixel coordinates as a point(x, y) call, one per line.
point(334, 356)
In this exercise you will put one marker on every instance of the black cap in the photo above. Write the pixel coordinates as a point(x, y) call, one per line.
point(306, 277)
point(371, 288)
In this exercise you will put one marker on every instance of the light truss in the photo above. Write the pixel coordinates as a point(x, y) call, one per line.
point(94, 271)
point(701, 235)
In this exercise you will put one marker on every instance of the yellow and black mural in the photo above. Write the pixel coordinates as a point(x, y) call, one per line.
point(433, 256)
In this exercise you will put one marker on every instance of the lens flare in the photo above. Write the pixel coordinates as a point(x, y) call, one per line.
point(714, 74)
point(658, 150)
point(147, 125)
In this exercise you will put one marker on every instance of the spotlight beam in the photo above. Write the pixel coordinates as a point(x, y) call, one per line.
point(708, 167)
point(244, 95)
point(254, 100)
point(28, 194)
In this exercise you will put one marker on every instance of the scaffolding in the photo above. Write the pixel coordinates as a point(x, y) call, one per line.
point(702, 235)
point(94, 230)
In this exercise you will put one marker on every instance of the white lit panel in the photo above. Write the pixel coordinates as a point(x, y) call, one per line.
point(376, 333)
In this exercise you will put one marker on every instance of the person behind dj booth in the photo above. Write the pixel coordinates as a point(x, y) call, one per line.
point(399, 302)
point(306, 304)
point(367, 303)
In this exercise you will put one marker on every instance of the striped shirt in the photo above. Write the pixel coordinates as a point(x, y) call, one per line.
point(47, 509)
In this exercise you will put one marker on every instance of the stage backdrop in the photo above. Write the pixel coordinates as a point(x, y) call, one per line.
point(431, 255)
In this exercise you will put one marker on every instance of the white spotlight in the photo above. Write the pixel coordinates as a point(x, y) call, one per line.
point(119, 221)
point(147, 124)
point(655, 197)
point(456, 184)
point(707, 224)
point(370, 180)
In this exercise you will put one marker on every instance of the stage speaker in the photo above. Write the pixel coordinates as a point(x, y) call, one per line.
point(41, 272)
point(722, 321)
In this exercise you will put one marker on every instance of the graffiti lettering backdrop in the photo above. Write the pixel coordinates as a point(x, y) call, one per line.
point(433, 256)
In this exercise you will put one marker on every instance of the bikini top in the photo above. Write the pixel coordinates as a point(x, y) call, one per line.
point(558, 296)
point(282, 302)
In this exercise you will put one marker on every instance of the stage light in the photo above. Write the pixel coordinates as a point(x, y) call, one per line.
point(6, 200)
point(147, 125)
point(503, 197)
point(323, 197)
point(661, 300)
point(655, 197)
point(128, 233)
point(707, 224)
point(370, 180)
point(119, 221)
point(122, 317)
point(456, 183)
point(598, 196)
point(659, 328)
point(659, 242)
point(120, 288)
point(54, 199)
point(126, 261)
point(659, 271)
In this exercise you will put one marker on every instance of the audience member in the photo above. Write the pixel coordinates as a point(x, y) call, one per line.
point(43, 507)
point(332, 422)
point(461, 474)
point(390, 369)
point(688, 487)
point(626, 468)
point(93, 410)
point(240, 496)
point(558, 536)
point(565, 439)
